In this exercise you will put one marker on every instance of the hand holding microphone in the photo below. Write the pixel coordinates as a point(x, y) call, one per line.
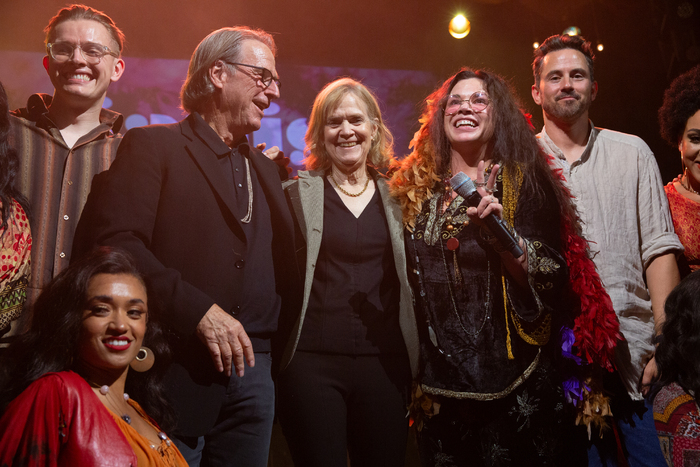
point(464, 186)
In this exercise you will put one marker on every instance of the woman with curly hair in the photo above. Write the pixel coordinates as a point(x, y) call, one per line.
point(676, 411)
point(679, 118)
point(15, 235)
point(345, 372)
point(489, 320)
point(64, 391)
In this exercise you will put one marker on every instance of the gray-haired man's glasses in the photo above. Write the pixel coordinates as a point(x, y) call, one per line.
point(265, 75)
point(91, 52)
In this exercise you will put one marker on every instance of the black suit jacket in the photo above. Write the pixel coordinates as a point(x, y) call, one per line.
point(166, 201)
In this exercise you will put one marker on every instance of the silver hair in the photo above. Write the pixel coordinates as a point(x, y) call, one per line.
point(223, 44)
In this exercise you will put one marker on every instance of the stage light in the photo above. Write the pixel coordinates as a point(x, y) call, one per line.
point(599, 47)
point(572, 31)
point(535, 45)
point(460, 27)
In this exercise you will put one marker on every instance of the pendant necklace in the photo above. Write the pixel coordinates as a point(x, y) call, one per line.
point(104, 390)
point(487, 305)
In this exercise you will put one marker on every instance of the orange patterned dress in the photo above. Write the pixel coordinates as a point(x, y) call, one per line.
point(686, 221)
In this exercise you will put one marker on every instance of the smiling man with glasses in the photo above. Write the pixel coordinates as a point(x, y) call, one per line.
point(204, 213)
point(64, 140)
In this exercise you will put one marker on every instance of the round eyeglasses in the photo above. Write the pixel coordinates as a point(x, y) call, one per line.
point(91, 52)
point(477, 102)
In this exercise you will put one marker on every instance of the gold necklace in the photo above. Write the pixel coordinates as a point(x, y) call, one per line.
point(689, 187)
point(354, 195)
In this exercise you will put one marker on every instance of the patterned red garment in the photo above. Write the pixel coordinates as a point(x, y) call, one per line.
point(686, 221)
point(677, 421)
point(15, 250)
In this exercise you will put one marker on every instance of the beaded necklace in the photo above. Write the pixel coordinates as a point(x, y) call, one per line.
point(687, 184)
point(354, 195)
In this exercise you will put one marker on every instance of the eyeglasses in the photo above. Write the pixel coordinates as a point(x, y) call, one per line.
point(265, 77)
point(478, 102)
point(91, 52)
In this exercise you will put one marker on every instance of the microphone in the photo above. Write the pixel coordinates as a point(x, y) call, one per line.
point(464, 186)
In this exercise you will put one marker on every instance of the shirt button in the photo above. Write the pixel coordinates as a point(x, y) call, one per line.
point(240, 185)
point(62, 254)
point(65, 218)
point(239, 264)
point(236, 170)
point(70, 182)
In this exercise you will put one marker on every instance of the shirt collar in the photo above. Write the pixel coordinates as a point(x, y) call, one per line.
point(213, 140)
point(38, 109)
point(554, 150)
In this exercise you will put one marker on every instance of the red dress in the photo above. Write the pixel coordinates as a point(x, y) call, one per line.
point(686, 221)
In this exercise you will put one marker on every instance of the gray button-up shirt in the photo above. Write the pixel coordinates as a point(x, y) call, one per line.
point(625, 215)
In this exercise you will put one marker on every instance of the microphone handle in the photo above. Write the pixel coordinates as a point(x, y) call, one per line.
point(498, 228)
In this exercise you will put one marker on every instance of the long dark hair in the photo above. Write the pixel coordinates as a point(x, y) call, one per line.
point(679, 346)
point(513, 143)
point(51, 343)
point(9, 165)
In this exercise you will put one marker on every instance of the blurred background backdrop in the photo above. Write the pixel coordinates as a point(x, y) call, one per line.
point(401, 49)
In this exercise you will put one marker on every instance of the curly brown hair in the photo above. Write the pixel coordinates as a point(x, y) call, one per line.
point(681, 101)
point(513, 143)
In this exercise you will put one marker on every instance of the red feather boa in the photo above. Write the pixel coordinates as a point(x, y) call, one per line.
point(596, 327)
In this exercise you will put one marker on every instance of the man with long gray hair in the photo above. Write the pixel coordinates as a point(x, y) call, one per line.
point(205, 216)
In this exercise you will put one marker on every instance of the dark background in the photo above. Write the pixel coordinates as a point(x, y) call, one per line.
point(647, 42)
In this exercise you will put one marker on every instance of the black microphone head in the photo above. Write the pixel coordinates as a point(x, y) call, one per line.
point(462, 184)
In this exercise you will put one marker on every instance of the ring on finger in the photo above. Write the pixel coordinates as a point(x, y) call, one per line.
point(494, 199)
point(480, 184)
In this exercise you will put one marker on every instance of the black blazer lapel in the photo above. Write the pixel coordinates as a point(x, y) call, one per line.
point(207, 161)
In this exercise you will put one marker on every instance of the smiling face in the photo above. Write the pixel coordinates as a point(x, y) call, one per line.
point(76, 82)
point(348, 134)
point(565, 90)
point(690, 148)
point(114, 322)
point(243, 96)
point(465, 129)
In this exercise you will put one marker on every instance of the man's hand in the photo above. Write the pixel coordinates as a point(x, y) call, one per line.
point(650, 374)
point(276, 156)
point(226, 340)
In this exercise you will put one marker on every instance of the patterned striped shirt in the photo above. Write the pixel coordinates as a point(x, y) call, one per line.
point(56, 180)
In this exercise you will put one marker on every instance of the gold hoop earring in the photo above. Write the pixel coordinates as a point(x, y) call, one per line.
point(143, 361)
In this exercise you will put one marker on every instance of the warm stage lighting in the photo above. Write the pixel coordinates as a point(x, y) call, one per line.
point(535, 45)
point(600, 47)
point(460, 27)
point(572, 31)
